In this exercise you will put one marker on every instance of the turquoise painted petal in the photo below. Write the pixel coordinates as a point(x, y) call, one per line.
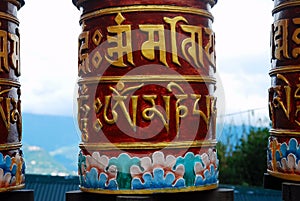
point(277, 155)
point(207, 176)
point(293, 145)
point(92, 178)
point(137, 184)
point(199, 181)
point(1, 159)
point(14, 170)
point(170, 178)
point(102, 180)
point(179, 183)
point(283, 150)
point(158, 178)
point(7, 162)
point(112, 185)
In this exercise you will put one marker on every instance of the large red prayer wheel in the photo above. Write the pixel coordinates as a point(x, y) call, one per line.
point(284, 94)
point(12, 167)
point(146, 105)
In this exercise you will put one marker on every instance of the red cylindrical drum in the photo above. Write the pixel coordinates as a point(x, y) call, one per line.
point(284, 94)
point(146, 105)
point(12, 167)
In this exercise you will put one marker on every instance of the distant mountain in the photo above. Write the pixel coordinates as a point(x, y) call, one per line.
point(39, 161)
point(51, 142)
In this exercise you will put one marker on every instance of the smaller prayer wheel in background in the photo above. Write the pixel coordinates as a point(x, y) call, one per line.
point(284, 94)
point(12, 167)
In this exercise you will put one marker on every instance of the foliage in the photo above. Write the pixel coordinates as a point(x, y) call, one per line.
point(246, 162)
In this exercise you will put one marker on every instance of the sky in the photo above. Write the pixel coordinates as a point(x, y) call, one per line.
point(49, 33)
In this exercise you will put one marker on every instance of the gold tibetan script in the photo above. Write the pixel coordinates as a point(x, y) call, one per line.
point(197, 46)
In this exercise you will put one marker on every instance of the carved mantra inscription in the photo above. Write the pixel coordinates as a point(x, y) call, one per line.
point(285, 40)
point(199, 46)
point(9, 52)
point(109, 108)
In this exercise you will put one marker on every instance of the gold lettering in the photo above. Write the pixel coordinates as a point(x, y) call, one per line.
point(97, 106)
point(297, 98)
point(122, 46)
point(197, 111)
point(83, 111)
point(190, 46)
point(15, 53)
point(156, 39)
point(210, 47)
point(83, 44)
point(114, 113)
point(296, 39)
point(173, 22)
point(149, 113)
point(3, 52)
point(181, 110)
point(277, 99)
point(280, 38)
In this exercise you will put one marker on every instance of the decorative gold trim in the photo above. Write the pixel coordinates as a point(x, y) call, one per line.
point(147, 8)
point(284, 69)
point(292, 177)
point(148, 145)
point(9, 82)
point(152, 191)
point(280, 132)
point(10, 146)
point(285, 5)
point(9, 17)
point(12, 188)
point(147, 78)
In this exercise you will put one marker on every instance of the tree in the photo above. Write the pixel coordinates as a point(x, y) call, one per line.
point(247, 162)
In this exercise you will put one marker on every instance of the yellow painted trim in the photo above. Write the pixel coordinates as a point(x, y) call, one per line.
point(147, 8)
point(9, 82)
point(283, 132)
point(292, 177)
point(9, 17)
point(148, 145)
point(10, 146)
point(284, 69)
point(11, 188)
point(285, 5)
point(152, 191)
point(148, 78)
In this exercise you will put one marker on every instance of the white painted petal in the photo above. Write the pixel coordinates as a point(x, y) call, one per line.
point(284, 164)
point(158, 158)
point(7, 178)
point(180, 170)
point(198, 168)
point(104, 161)
point(112, 170)
point(1, 178)
point(135, 170)
point(146, 163)
point(291, 161)
point(96, 156)
point(297, 168)
point(205, 159)
point(170, 161)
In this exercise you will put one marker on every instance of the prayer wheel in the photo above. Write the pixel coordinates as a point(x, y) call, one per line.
point(283, 151)
point(12, 167)
point(146, 104)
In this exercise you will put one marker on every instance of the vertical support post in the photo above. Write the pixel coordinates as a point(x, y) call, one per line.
point(12, 167)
